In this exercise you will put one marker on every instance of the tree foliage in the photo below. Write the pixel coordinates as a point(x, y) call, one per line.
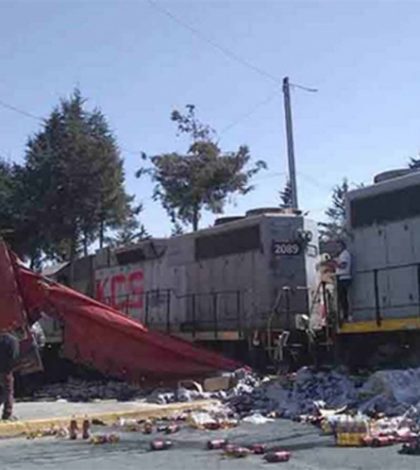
point(130, 231)
point(414, 163)
point(203, 177)
point(7, 189)
point(73, 179)
point(286, 196)
point(21, 232)
point(334, 228)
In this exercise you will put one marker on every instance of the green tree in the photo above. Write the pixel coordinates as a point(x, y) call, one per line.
point(21, 233)
point(130, 231)
point(74, 179)
point(203, 177)
point(335, 227)
point(286, 196)
point(7, 190)
point(414, 163)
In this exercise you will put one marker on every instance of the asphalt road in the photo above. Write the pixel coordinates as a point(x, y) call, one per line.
point(310, 451)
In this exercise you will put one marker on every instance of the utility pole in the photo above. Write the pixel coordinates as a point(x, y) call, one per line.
point(290, 146)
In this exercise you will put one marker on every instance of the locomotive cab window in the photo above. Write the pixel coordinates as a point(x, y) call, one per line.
point(387, 207)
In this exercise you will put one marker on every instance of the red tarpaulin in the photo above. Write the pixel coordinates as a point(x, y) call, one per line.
point(97, 335)
point(12, 312)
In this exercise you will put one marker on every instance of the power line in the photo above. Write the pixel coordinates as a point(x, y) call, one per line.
point(224, 50)
point(20, 111)
point(304, 88)
point(269, 176)
point(249, 113)
point(315, 181)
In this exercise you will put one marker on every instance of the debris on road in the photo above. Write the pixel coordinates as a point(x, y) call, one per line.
point(412, 447)
point(158, 444)
point(76, 390)
point(236, 452)
point(377, 410)
point(54, 431)
point(256, 418)
point(274, 457)
point(104, 439)
point(148, 427)
point(171, 429)
point(217, 444)
point(258, 449)
point(310, 394)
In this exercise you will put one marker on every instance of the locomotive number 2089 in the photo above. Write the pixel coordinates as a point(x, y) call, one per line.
point(286, 248)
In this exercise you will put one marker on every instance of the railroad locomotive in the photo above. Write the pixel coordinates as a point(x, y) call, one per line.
point(217, 285)
point(261, 273)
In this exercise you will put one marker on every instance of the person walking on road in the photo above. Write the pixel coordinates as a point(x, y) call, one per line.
point(343, 275)
point(9, 354)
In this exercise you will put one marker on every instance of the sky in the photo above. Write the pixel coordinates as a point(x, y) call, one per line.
point(139, 60)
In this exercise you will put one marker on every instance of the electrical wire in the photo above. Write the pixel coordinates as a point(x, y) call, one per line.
point(304, 88)
point(249, 113)
point(20, 111)
point(224, 50)
point(27, 114)
point(314, 181)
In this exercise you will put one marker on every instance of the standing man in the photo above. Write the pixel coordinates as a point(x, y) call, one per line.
point(343, 276)
point(9, 354)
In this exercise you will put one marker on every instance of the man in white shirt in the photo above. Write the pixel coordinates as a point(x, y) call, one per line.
point(343, 275)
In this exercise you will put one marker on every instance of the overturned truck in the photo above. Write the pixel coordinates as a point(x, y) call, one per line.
point(95, 334)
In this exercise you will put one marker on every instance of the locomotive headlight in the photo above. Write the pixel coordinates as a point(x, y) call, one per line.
point(304, 235)
point(300, 233)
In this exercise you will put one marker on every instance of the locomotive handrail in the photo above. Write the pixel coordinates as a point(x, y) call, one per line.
point(387, 268)
point(165, 296)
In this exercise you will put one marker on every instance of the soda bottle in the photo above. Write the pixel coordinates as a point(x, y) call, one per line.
point(73, 429)
point(86, 428)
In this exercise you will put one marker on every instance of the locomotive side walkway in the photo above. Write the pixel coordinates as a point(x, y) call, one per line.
point(36, 416)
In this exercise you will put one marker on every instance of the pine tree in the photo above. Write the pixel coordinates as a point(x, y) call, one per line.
point(7, 184)
point(286, 196)
point(414, 163)
point(334, 228)
point(131, 231)
point(74, 179)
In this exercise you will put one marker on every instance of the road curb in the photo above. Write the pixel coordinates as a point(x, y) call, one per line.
point(20, 428)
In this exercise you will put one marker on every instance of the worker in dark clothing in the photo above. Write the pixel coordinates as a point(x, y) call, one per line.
point(9, 354)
